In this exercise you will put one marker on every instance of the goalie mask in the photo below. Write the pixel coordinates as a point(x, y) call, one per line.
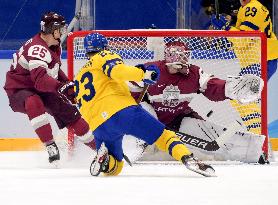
point(176, 57)
point(52, 21)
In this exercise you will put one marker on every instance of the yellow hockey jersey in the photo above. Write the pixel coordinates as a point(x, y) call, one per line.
point(101, 88)
point(255, 16)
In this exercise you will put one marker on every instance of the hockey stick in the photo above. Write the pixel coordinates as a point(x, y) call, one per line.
point(142, 94)
point(127, 160)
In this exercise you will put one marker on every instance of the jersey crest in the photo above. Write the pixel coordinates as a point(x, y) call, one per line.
point(171, 96)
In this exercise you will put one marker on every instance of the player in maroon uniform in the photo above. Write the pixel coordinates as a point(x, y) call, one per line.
point(36, 85)
point(178, 85)
point(179, 79)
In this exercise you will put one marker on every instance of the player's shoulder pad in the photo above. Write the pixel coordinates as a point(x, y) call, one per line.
point(253, 4)
point(109, 55)
point(40, 52)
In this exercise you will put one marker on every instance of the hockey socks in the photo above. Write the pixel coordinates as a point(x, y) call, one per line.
point(36, 112)
point(169, 141)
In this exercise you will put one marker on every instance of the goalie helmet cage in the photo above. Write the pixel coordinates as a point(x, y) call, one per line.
point(220, 53)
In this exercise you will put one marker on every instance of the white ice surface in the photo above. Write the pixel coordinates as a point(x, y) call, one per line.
point(26, 178)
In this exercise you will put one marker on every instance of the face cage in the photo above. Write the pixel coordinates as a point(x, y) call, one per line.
point(176, 55)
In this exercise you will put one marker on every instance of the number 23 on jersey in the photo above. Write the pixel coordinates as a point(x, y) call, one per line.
point(84, 88)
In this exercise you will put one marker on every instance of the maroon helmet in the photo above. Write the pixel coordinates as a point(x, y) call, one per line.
point(52, 21)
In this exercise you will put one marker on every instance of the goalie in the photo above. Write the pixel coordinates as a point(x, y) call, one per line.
point(170, 100)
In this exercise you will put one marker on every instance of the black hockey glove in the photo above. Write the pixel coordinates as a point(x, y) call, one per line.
point(152, 73)
point(66, 91)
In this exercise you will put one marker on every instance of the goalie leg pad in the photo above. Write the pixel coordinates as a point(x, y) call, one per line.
point(170, 141)
point(242, 146)
point(114, 167)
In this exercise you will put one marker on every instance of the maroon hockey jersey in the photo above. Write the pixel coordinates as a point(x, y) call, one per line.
point(171, 95)
point(35, 66)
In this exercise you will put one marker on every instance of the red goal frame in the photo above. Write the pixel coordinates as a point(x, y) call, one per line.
point(183, 33)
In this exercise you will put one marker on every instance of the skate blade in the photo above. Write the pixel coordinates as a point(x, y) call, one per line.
point(208, 172)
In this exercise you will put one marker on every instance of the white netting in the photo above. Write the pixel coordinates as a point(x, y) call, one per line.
point(220, 56)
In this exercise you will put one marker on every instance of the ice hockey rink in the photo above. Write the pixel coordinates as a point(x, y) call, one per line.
point(27, 178)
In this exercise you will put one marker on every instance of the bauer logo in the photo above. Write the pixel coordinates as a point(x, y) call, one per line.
point(190, 140)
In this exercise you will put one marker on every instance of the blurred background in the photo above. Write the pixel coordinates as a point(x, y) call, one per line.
point(19, 20)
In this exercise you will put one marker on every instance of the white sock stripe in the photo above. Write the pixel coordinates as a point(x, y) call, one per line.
point(88, 137)
point(39, 121)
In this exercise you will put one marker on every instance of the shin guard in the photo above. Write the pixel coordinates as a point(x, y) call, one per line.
point(169, 141)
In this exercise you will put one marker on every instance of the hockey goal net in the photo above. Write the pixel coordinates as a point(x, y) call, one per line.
point(217, 52)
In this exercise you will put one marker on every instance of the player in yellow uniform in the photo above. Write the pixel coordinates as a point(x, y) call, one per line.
point(106, 104)
point(253, 16)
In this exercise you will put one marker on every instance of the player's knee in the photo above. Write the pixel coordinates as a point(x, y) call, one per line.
point(115, 167)
point(80, 127)
point(34, 106)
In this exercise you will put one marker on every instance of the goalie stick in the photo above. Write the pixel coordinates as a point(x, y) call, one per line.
point(142, 94)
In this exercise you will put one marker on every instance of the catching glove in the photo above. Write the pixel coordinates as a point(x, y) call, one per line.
point(220, 23)
point(245, 89)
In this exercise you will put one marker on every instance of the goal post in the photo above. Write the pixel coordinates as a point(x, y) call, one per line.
point(220, 53)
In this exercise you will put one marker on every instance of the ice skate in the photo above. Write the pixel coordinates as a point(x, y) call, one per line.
point(53, 152)
point(54, 155)
point(197, 166)
point(100, 162)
